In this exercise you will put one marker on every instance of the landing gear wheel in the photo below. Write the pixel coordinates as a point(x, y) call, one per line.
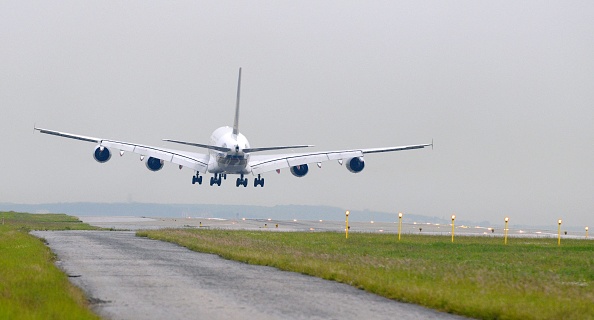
point(259, 181)
point(197, 178)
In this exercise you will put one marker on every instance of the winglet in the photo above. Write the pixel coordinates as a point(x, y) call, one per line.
point(236, 122)
point(431, 143)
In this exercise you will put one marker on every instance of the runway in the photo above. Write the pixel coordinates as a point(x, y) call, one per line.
point(136, 223)
point(127, 277)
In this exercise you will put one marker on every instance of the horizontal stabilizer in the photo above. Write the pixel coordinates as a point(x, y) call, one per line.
point(222, 149)
point(275, 148)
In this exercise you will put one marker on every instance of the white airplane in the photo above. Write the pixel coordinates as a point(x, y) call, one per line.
point(230, 153)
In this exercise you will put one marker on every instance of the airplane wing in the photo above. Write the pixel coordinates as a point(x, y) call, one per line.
point(195, 161)
point(265, 163)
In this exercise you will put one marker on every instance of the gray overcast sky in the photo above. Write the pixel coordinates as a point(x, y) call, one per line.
point(506, 89)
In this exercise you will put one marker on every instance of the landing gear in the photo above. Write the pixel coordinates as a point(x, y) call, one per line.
point(259, 181)
point(197, 178)
point(241, 181)
point(216, 179)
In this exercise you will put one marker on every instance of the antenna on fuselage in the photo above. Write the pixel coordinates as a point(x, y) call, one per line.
point(236, 122)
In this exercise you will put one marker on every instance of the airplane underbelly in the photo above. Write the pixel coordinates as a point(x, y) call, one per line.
point(232, 165)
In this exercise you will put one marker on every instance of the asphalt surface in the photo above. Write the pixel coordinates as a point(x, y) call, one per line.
point(127, 277)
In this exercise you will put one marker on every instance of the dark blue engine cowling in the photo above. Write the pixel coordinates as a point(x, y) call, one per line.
point(300, 171)
point(154, 164)
point(356, 164)
point(102, 154)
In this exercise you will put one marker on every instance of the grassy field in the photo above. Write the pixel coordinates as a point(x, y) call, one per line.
point(475, 276)
point(31, 286)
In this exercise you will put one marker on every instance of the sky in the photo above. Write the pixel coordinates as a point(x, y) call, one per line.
point(504, 88)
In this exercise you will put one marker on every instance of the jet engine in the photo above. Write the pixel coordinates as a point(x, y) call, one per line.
point(299, 171)
point(355, 164)
point(154, 164)
point(102, 154)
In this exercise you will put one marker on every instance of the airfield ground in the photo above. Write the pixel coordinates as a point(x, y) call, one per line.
point(138, 223)
point(477, 277)
point(526, 273)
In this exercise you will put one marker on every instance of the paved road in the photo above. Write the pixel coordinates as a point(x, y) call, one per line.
point(127, 277)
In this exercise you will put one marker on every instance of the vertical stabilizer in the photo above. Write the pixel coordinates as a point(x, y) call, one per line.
point(236, 122)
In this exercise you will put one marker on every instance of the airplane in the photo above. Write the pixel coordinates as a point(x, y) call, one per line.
point(229, 152)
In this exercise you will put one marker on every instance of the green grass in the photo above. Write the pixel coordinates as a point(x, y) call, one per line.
point(31, 286)
point(475, 276)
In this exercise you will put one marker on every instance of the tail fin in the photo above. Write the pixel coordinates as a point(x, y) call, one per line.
point(236, 122)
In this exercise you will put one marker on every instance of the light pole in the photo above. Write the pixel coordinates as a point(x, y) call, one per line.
point(559, 232)
point(347, 226)
point(453, 218)
point(399, 224)
point(506, 221)
point(586, 232)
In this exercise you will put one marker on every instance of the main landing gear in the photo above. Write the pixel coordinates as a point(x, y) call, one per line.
point(241, 181)
point(216, 179)
point(259, 181)
point(197, 178)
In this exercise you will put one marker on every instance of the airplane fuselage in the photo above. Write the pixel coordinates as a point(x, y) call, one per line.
point(234, 161)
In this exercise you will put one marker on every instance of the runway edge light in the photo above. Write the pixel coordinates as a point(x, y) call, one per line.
point(505, 231)
point(559, 232)
point(399, 224)
point(453, 218)
point(346, 229)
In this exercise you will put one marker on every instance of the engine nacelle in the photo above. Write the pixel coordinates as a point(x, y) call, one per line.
point(102, 154)
point(299, 171)
point(355, 164)
point(154, 164)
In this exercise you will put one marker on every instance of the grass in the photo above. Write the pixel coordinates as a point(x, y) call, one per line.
point(31, 286)
point(475, 276)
